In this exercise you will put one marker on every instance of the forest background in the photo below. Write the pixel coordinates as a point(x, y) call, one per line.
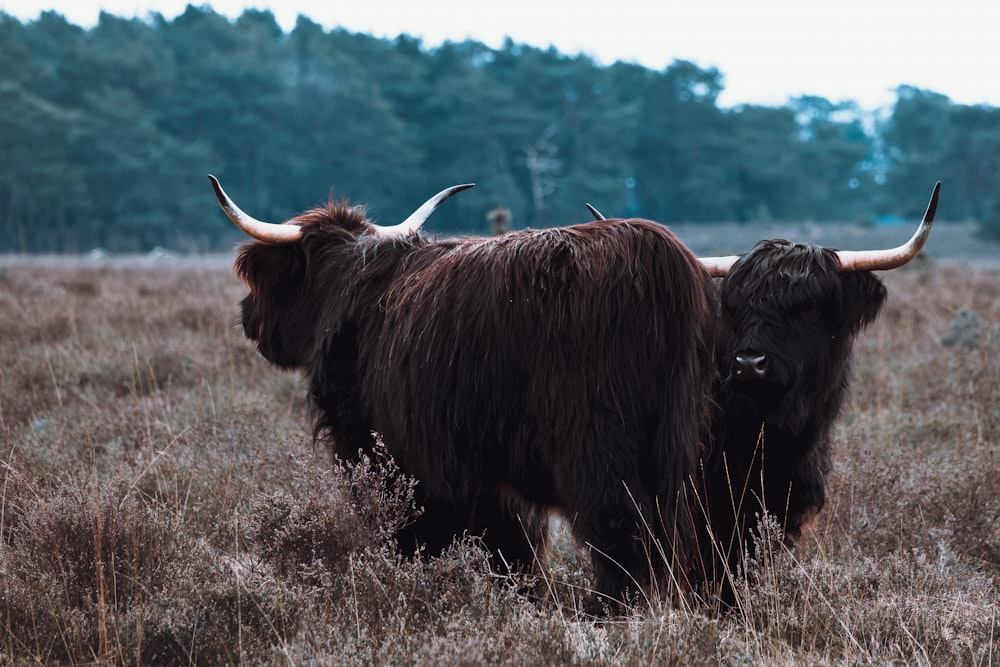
point(107, 134)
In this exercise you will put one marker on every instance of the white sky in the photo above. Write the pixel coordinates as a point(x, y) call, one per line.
point(768, 50)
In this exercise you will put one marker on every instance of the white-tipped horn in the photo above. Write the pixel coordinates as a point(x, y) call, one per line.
point(884, 260)
point(262, 231)
point(857, 260)
point(419, 217)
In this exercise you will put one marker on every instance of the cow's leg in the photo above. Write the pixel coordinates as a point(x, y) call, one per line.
point(515, 532)
point(516, 539)
point(435, 528)
point(613, 517)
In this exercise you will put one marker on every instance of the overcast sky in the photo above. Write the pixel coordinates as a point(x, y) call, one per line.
point(767, 50)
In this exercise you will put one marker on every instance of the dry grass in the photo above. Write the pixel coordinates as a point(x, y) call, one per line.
point(161, 502)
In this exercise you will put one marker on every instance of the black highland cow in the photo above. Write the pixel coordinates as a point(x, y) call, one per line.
point(789, 315)
point(566, 369)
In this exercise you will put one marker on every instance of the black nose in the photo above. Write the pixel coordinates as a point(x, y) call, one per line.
point(750, 366)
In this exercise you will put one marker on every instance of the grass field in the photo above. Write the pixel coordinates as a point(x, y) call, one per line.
point(161, 502)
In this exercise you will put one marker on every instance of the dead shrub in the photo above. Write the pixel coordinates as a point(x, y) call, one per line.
point(95, 574)
point(55, 329)
point(140, 376)
point(81, 286)
point(199, 319)
point(336, 512)
point(100, 555)
point(293, 532)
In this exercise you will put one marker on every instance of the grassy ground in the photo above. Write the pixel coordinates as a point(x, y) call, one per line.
point(161, 502)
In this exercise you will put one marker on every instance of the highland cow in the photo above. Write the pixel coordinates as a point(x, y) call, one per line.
point(789, 313)
point(561, 369)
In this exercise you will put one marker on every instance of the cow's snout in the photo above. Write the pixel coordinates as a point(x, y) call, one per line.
point(751, 366)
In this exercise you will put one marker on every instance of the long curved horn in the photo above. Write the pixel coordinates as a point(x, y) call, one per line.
point(857, 260)
point(419, 217)
point(884, 260)
point(262, 231)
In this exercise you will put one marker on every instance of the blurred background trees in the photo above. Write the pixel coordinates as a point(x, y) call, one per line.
point(106, 136)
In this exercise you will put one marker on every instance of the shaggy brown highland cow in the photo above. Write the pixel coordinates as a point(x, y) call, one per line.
point(561, 369)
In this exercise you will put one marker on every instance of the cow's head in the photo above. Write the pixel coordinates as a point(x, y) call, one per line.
point(300, 272)
point(788, 318)
point(789, 315)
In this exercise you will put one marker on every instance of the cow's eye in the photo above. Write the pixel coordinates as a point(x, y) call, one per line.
point(810, 312)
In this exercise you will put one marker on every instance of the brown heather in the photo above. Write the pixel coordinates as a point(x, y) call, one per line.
point(161, 502)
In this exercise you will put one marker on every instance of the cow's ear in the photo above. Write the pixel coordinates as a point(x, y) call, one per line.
point(266, 267)
point(864, 295)
point(274, 275)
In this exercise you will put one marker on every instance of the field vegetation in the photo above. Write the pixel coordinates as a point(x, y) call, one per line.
point(162, 502)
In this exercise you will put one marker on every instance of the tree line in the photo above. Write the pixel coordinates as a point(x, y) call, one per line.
point(107, 134)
